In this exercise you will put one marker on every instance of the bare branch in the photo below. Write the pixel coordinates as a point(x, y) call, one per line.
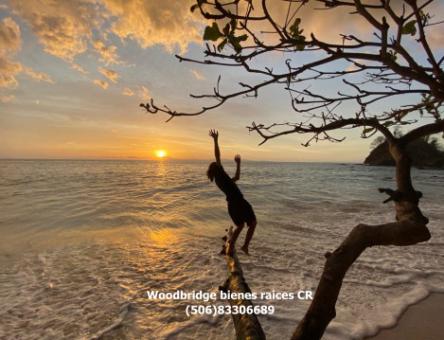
point(368, 69)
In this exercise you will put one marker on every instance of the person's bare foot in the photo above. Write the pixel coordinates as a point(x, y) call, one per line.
point(245, 249)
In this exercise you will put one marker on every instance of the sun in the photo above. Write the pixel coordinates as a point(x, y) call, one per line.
point(160, 153)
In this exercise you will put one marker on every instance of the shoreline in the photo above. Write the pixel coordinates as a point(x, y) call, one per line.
point(422, 320)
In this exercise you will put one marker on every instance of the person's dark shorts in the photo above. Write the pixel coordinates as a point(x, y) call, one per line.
point(241, 212)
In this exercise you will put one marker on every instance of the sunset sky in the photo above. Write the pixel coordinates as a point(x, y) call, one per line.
point(72, 75)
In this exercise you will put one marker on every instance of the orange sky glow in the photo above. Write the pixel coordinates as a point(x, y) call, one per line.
point(73, 74)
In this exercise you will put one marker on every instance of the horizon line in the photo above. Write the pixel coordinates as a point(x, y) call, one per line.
point(164, 159)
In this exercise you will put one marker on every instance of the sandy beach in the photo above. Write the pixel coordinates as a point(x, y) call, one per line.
point(422, 321)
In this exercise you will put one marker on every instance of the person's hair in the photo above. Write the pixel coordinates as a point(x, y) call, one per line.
point(212, 171)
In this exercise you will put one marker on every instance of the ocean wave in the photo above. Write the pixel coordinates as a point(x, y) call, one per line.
point(82, 241)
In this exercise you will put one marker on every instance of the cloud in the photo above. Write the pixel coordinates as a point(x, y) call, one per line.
point(79, 68)
point(101, 83)
point(128, 92)
point(436, 38)
point(10, 44)
point(10, 40)
point(169, 22)
point(110, 74)
point(351, 67)
point(108, 54)
point(6, 98)
point(197, 75)
point(434, 32)
point(8, 72)
point(326, 25)
point(66, 29)
point(10, 69)
point(40, 76)
point(144, 93)
point(62, 27)
point(69, 29)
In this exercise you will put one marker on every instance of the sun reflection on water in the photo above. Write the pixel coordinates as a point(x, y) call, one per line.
point(161, 169)
point(162, 237)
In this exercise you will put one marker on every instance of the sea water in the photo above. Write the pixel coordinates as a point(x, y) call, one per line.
point(81, 243)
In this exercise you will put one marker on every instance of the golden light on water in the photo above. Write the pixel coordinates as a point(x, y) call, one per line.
point(160, 153)
point(163, 237)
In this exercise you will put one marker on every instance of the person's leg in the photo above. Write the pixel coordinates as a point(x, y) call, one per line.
point(249, 236)
point(234, 237)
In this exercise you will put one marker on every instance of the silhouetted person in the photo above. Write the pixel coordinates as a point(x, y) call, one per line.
point(239, 209)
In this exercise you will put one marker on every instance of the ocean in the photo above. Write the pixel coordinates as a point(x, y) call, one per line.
point(81, 242)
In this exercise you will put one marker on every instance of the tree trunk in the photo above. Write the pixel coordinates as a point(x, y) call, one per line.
point(409, 229)
point(246, 326)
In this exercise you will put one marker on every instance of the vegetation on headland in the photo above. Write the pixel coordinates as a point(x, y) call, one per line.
point(424, 153)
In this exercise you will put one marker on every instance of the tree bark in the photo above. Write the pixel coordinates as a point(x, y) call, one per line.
point(409, 229)
point(246, 326)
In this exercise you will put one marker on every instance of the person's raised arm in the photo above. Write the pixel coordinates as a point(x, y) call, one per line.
point(215, 135)
point(237, 159)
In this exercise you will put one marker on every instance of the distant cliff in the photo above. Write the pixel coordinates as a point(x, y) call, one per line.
point(422, 153)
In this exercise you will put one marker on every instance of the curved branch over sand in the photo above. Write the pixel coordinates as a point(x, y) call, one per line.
point(409, 229)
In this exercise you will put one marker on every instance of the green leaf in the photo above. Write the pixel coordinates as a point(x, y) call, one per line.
point(226, 29)
point(392, 55)
point(409, 28)
point(294, 28)
point(300, 43)
point(429, 107)
point(296, 35)
point(212, 32)
point(242, 37)
point(300, 47)
point(221, 46)
point(233, 24)
point(235, 41)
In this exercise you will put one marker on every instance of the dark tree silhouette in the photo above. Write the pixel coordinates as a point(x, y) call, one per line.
point(392, 64)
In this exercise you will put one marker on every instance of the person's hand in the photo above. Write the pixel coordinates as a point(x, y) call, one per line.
point(213, 133)
point(237, 158)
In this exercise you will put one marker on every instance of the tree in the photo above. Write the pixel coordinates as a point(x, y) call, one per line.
point(395, 67)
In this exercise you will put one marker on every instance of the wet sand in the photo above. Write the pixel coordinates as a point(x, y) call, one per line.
point(422, 321)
